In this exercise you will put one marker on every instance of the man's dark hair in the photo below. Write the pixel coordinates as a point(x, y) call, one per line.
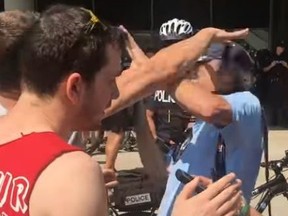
point(65, 40)
point(14, 25)
point(236, 62)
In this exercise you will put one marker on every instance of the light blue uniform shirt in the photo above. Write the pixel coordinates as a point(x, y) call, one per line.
point(243, 139)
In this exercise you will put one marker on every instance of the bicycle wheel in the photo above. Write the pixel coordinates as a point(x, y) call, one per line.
point(92, 147)
point(94, 142)
point(129, 142)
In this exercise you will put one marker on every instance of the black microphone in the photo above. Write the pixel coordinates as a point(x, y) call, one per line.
point(185, 178)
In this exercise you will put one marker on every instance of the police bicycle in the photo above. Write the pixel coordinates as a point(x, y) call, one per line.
point(275, 186)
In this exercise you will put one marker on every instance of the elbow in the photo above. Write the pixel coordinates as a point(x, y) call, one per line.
point(209, 113)
point(217, 113)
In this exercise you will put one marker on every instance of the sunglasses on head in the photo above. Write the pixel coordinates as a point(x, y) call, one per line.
point(94, 22)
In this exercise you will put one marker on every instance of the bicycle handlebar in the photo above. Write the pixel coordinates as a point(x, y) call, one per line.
point(274, 187)
point(277, 165)
point(279, 180)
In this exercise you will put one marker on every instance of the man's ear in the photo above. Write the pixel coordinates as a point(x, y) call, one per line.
point(74, 87)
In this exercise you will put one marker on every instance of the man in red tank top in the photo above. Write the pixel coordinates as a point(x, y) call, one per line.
point(69, 63)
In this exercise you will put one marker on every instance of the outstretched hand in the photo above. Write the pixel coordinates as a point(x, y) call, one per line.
point(224, 36)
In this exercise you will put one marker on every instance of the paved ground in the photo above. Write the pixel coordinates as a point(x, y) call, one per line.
point(278, 140)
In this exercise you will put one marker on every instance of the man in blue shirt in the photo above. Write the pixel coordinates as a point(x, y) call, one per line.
point(225, 108)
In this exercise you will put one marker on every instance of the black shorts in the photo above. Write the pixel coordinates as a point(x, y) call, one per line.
point(120, 121)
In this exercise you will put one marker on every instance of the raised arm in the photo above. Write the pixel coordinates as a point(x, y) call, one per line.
point(203, 104)
point(168, 65)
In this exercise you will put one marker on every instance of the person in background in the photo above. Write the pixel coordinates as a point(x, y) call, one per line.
point(263, 59)
point(115, 127)
point(166, 119)
point(276, 74)
point(14, 25)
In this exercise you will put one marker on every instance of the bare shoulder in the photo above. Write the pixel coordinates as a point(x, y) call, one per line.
point(71, 185)
point(73, 164)
point(75, 160)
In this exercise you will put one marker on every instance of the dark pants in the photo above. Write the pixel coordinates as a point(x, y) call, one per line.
point(118, 122)
point(274, 104)
point(274, 115)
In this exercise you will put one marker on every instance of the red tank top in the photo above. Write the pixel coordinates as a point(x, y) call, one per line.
point(21, 163)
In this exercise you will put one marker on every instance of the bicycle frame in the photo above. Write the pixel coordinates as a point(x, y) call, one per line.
point(270, 194)
point(275, 187)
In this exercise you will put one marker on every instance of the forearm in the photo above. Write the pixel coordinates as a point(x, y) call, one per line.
point(162, 69)
point(133, 86)
point(152, 126)
point(182, 55)
point(203, 104)
point(149, 152)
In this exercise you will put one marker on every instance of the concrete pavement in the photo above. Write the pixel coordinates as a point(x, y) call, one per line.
point(278, 143)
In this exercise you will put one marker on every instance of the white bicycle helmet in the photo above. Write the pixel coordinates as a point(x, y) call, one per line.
point(175, 29)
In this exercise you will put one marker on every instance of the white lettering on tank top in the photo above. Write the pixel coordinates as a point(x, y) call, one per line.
point(13, 190)
point(160, 96)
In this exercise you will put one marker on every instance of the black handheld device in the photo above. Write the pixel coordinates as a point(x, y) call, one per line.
point(184, 178)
